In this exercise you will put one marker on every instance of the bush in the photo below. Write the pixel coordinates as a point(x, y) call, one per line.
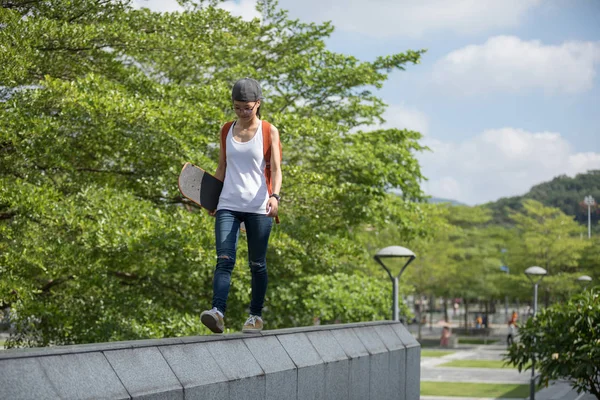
point(565, 341)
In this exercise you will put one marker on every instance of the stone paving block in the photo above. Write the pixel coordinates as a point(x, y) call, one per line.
point(282, 385)
point(413, 373)
point(145, 373)
point(358, 363)
point(379, 369)
point(311, 382)
point(270, 354)
point(281, 375)
point(379, 376)
point(248, 388)
point(413, 362)
point(246, 377)
point(311, 370)
point(24, 378)
point(337, 378)
point(371, 340)
point(359, 387)
point(397, 374)
point(397, 359)
point(83, 376)
point(407, 338)
point(327, 346)
point(197, 371)
point(300, 349)
point(389, 337)
point(350, 343)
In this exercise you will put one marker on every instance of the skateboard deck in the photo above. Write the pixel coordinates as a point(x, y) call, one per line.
point(199, 186)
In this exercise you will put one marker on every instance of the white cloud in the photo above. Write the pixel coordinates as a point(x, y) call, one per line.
point(499, 163)
point(243, 8)
point(158, 5)
point(508, 64)
point(402, 117)
point(388, 18)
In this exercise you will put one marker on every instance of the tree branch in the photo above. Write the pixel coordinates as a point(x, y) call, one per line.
point(20, 4)
point(7, 215)
point(104, 171)
point(125, 275)
point(55, 282)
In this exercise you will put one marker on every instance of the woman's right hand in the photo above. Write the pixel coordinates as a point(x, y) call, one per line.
point(212, 213)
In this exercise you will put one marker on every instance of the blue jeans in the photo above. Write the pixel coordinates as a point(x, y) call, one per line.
point(227, 229)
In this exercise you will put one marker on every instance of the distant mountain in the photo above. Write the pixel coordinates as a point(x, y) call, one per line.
point(436, 200)
point(561, 192)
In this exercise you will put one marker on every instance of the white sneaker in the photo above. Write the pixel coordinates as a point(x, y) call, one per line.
point(253, 324)
point(213, 320)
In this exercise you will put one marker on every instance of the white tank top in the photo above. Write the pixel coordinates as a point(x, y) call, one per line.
point(245, 185)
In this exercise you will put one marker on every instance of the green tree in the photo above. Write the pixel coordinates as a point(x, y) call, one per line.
point(564, 340)
point(563, 192)
point(102, 104)
point(551, 240)
point(590, 259)
point(429, 272)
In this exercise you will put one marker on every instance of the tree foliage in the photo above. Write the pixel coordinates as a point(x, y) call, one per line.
point(102, 104)
point(463, 254)
point(564, 340)
point(563, 192)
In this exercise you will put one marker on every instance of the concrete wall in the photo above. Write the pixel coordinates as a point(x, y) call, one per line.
point(379, 360)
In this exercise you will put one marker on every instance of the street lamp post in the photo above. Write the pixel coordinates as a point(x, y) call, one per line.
point(584, 280)
point(507, 270)
point(589, 200)
point(395, 252)
point(535, 275)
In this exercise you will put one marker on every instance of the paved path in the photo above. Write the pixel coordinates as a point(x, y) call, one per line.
point(462, 398)
point(474, 375)
point(432, 371)
point(3, 338)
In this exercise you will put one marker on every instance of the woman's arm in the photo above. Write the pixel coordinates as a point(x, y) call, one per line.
point(276, 175)
point(220, 172)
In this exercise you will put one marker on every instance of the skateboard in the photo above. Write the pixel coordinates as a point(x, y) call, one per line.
point(199, 186)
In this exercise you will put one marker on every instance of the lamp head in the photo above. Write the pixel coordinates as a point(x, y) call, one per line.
point(394, 252)
point(535, 272)
point(589, 200)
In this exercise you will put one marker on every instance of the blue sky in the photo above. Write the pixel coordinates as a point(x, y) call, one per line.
point(507, 95)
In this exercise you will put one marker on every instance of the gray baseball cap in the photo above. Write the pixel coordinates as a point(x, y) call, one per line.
point(246, 89)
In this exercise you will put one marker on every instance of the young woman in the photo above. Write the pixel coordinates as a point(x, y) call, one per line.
point(245, 199)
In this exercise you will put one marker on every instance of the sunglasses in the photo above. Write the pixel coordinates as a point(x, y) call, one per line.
point(240, 110)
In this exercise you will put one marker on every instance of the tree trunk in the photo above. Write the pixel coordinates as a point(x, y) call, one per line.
point(420, 315)
point(466, 315)
point(446, 309)
point(431, 313)
point(487, 313)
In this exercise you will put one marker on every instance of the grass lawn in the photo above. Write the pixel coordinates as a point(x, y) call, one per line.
point(468, 340)
point(2, 343)
point(476, 364)
point(497, 390)
point(435, 353)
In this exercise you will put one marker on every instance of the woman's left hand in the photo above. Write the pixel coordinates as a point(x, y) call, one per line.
point(272, 207)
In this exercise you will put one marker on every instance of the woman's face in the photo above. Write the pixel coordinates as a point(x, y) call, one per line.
point(246, 109)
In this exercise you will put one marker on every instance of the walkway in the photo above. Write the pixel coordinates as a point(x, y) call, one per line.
point(431, 371)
